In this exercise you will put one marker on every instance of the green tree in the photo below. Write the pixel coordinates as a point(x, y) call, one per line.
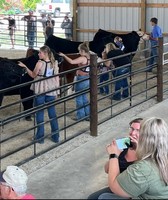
point(9, 4)
point(3, 3)
point(30, 4)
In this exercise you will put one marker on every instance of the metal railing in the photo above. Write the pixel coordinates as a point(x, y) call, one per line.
point(20, 33)
point(16, 133)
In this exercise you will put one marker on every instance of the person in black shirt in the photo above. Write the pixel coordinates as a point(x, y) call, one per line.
point(11, 27)
point(127, 156)
point(122, 66)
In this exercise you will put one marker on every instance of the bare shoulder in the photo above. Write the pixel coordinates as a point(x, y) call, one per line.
point(39, 63)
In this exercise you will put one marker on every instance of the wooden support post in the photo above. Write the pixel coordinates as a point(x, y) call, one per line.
point(143, 15)
point(93, 95)
point(74, 19)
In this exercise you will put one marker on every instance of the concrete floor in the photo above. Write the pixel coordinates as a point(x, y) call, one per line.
point(80, 172)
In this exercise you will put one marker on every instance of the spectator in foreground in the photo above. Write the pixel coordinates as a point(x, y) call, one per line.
point(13, 184)
point(147, 178)
point(127, 156)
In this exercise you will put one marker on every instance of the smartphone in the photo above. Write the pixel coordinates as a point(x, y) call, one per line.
point(123, 143)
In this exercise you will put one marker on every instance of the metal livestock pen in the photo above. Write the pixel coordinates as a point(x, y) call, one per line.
point(16, 133)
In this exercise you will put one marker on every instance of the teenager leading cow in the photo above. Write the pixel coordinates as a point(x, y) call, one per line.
point(45, 67)
point(83, 110)
point(155, 34)
point(121, 84)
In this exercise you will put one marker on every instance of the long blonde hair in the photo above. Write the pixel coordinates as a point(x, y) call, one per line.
point(110, 46)
point(47, 50)
point(84, 46)
point(153, 144)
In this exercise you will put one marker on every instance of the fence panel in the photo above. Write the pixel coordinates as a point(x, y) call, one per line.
point(16, 133)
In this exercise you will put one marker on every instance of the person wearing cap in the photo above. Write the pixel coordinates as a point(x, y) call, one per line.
point(67, 25)
point(11, 27)
point(31, 28)
point(13, 184)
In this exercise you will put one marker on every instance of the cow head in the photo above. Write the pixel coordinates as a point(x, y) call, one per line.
point(143, 36)
point(33, 52)
point(10, 69)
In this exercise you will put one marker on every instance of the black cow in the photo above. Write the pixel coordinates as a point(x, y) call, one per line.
point(11, 74)
point(101, 38)
point(130, 40)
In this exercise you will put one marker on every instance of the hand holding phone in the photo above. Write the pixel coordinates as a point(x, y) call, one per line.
point(123, 143)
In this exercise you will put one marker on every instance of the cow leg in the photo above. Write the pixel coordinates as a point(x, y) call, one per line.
point(28, 104)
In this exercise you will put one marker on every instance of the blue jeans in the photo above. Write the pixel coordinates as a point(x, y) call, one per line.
point(82, 100)
point(96, 194)
point(121, 84)
point(31, 38)
point(111, 196)
point(104, 77)
point(40, 100)
point(153, 53)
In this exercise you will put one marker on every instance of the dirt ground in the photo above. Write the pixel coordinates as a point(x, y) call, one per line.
point(18, 127)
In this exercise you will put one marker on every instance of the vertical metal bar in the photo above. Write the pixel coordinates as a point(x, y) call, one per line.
point(93, 95)
point(130, 82)
point(160, 71)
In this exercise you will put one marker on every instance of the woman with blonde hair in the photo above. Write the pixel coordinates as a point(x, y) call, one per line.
point(123, 64)
point(148, 177)
point(46, 66)
point(104, 68)
point(83, 110)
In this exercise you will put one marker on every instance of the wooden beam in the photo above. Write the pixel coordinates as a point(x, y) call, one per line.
point(74, 20)
point(157, 5)
point(143, 15)
point(109, 4)
point(149, 5)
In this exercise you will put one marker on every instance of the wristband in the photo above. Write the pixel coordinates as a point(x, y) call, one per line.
point(113, 155)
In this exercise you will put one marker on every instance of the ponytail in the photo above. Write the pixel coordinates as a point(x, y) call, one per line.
point(47, 50)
